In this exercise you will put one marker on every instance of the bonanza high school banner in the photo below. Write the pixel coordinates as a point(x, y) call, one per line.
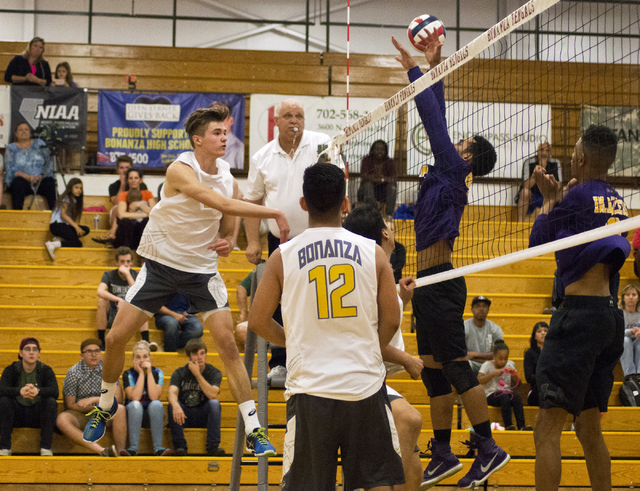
point(149, 128)
point(57, 115)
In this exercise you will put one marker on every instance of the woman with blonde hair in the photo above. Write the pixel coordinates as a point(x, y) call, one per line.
point(630, 305)
point(30, 67)
point(142, 387)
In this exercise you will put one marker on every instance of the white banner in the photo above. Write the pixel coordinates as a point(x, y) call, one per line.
point(515, 130)
point(5, 115)
point(322, 114)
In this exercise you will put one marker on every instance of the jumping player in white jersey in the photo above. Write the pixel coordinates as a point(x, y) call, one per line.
point(187, 231)
point(339, 308)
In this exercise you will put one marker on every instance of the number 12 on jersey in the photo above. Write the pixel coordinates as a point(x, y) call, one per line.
point(330, 303)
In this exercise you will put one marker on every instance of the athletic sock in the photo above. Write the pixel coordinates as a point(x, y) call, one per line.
point(101, 334)
point(145, 335)
point(483, 429)
point(250, 416)
point(107, 395)
point(442, 436)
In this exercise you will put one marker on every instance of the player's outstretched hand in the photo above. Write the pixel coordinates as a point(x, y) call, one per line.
point(414, 367)
point(283, 225)
point(432, 48)
point(221, 246)
point(405, 58)
point(407, 285)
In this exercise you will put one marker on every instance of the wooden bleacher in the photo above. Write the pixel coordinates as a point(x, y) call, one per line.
point(56, 302)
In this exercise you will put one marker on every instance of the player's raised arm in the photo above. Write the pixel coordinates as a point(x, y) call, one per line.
point(266, 300)
point(182, 179)
point(388, 308)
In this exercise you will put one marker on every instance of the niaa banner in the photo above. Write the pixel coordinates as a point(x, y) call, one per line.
point(149, 128)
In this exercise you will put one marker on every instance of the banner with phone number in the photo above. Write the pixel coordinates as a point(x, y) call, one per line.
point(149, 128)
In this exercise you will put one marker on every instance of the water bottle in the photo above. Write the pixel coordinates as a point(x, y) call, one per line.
point(96, 222)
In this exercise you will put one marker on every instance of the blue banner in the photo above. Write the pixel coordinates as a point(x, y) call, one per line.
point(150, 127)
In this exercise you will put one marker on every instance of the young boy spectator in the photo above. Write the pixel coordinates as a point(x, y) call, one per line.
point(111, 293)
point(480, 334)
point(178, 325)
point(585, 337)
point(28, 393)
point(192, 400)
point(81, 392)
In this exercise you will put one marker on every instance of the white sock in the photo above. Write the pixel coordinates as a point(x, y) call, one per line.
point(107, 395)
point(250, 416)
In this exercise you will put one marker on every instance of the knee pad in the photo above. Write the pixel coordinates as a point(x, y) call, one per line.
point(460, 375)
point(435, 382)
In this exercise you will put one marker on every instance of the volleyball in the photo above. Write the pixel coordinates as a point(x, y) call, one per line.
point(422, 24)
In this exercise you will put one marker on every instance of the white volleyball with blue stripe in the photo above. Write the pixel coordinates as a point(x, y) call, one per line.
point(422, 24)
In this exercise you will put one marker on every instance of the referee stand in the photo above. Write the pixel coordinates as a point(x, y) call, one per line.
point(253, 343)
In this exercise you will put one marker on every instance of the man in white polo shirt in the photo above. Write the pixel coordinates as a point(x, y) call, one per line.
point(275, 180)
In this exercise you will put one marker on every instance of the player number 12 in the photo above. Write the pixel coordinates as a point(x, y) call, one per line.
point(336, 272)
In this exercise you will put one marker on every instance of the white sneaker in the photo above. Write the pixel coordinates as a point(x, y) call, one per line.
point(46, 452)
point(277, 376)
point(5, 452)
point(153, 346)
point(51, 249)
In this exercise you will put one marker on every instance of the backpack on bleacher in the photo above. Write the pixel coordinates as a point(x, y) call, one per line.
point(630, 393)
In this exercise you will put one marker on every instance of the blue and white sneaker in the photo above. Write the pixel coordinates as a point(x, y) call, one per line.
point(259, 445)
point(490, 459)
point(443, 464)
point(97, 425)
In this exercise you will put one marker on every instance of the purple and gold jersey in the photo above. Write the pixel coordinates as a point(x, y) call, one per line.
point(586, 206)
point(443, 186)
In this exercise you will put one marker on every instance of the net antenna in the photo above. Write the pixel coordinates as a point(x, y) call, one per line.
point(495, 82)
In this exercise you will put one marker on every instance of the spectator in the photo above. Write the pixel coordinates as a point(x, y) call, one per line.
point(480, 334)
point(63, 76)
point(630, 305)
point(178, 325)
point(192, 400)
point(2, 205)
point(142, 387)
point(497, 376)
point(112, 291)
point(123, 164)
point(66, 217)
point(378, 175)
point(81, 392)
point(234, 154)
point(28, 393)
point(529, 197)
point(28, 169)
point(635, 240)
point(275, 180)
point(130, 227)
point(30, 67)
point(531, 357)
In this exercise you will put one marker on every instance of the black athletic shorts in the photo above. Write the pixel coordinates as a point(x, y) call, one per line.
point(582, 347)
point(363, 431)
point(439, 309)
point(156, 283)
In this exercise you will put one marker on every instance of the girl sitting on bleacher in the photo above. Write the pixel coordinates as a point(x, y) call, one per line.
point(499, 377)
point(65, 219)
point(630, 359)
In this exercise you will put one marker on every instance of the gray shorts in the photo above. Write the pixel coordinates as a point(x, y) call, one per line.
point(156, 283)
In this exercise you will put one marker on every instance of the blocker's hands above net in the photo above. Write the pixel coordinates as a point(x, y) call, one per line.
point(405, 58)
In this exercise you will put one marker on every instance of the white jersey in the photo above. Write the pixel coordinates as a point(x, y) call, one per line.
point(396, 342)
point(180, 228)
point(330, 315)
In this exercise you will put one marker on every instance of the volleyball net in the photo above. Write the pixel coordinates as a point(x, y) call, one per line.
point(531, 85)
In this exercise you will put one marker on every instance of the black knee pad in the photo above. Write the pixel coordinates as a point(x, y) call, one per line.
point(435, 382)
point(460, 375)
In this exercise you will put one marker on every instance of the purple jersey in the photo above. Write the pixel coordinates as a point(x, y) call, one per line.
point(586, 206)
point(444, 186)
